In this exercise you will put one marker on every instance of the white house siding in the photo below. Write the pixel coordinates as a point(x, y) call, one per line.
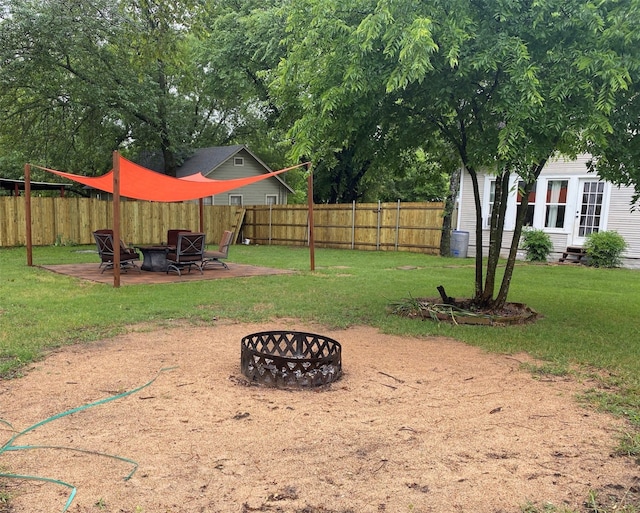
point(616, 213)
point(254, 194)
point(626, 223)
point(466, 209)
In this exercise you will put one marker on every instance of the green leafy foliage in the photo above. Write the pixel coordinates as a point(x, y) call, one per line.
point(505, 85)
point(537, 243)
point(81, 79)
point(604, 249)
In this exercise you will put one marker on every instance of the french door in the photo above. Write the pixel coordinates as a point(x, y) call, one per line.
point(589, 210)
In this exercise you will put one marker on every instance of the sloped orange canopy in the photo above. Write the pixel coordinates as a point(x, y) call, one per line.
point(138, 182)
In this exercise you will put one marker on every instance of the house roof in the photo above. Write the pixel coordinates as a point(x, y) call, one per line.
point(13, 185)
point(207, 160)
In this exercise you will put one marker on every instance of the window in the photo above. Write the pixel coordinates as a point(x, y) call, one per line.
point(235, 199)
point(556, 203)
point(528, 218)
point(238, 161)
point(271, 199)
point(492, 200)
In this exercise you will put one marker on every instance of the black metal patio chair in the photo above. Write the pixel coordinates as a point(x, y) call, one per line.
point(104, 243)
point(216, 257)
point(189, 252)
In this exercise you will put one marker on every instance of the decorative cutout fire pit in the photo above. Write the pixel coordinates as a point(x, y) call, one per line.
point(290, 359)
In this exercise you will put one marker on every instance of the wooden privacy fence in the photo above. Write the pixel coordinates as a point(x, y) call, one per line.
point(368, 226)
point(71, 220)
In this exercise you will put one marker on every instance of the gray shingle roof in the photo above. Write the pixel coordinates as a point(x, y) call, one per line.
point(205, 160)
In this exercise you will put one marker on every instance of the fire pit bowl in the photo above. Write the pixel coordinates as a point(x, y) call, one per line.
point(290, 359)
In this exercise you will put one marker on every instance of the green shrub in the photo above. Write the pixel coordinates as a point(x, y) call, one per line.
point(537, 243)
point(605, 248)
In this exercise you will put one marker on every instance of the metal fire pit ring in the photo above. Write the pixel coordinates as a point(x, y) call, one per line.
point(290, 359)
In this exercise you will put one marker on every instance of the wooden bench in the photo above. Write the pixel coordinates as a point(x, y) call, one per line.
point(574, 255)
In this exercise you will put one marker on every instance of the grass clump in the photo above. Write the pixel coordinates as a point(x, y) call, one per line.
point(531, 507)
point(629, 445)
point(619, 501)
point(547, 369)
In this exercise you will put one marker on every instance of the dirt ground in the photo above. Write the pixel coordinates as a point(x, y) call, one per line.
point(414, 425)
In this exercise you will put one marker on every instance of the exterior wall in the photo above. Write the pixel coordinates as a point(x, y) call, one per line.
point(254, 194)
point(625, 222)
point(616, 210)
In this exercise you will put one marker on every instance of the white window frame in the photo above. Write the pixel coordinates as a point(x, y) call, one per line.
point(510, 214)
point(238, 161)
point(489, 191)
point(275, 199)
point(567, 205)
point(231, 196)
point(533, 204)
point(572, 204)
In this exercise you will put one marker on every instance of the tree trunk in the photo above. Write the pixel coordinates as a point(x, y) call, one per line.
point(496, 231)
point(479, 243)
point(449, 208)
point(165, 140)
point(170, 167)
point(501, 298)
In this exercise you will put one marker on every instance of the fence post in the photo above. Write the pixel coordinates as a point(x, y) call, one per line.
point(353, 224)
point(397, 225)
point(378, 228)
point(270, 233)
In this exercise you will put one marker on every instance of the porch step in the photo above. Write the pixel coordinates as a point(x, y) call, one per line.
point(574, 255)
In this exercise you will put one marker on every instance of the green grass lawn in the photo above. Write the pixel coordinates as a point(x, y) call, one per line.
point(589, 325)
point(589, 318)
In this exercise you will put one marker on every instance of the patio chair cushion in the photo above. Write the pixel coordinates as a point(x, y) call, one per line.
point(172, 236)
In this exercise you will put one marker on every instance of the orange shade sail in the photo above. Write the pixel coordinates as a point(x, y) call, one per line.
point(137, 182)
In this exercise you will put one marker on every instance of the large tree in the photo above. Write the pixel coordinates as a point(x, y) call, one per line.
point(240, 53)
point(507, 84)
point(44, 112)
point(81, 78)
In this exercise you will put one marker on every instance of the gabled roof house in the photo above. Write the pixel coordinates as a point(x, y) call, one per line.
point(568, 203)
point(227, 162)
